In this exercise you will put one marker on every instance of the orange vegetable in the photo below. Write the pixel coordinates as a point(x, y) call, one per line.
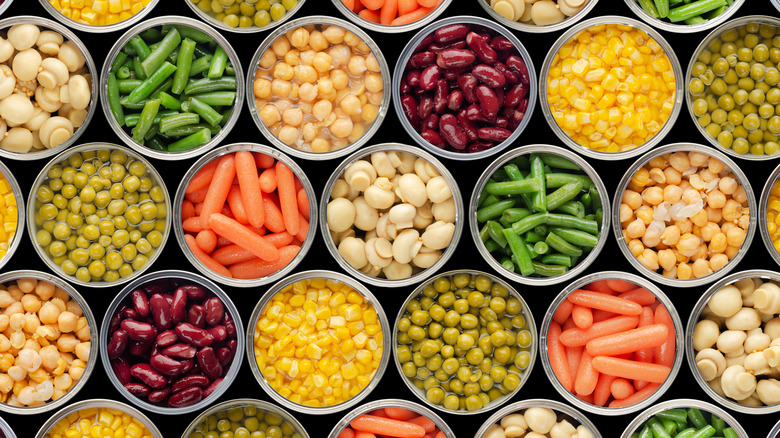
point(387, 427)
point(364, 435)
point(606, 302)
point(587, 375)
point(602, 315)
point(425, 422)
point(619, 285)
point(574, 355)
point(644, 354)
point(347, 433)
point(558, 359)
point(621, 388)
point(236, 204)
point(664, 353)
point(563, 312)
point(636, 397)
point(602, 392)
point(197, 196)
point(369, 15)
point(202, 178)
point(631, 369)
point(303, 228)
point(233, 253)
point(251, 196)
point(429, 3)
point(600, 286)
point(378, 412)
point(268, 180)
point(402, 414)
point(578, 337)
point(192, 225)
point(257, 268)
point(407, 6)
point(640, 295)
point(303, 203)
point(628, 341)
point(389, 12)
point(205, 258)
point(206, 241)
point(582, 316)
point(288, 197)
point(187, 210)
point(411, 17)
point(243, 237)
point(373, 4)
point(218, 189)
point(263, 161)
point(351, 5)
point(273, 216)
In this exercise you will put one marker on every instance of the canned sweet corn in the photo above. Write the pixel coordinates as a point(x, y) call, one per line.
point(8, 216)
point(99, 12)
point(99, 422)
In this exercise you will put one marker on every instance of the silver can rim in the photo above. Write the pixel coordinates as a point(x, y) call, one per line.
point(383, 28)
point(585, 167)
point(737, 22)
point(558, 407)
point(530, 322)
point(195, 24)
point(319, 20)
point(532, 28)
point(408, 51)
point(5, 6)
point(213, 155)
point(390, 403)
point(659, 295)
point(43, 175)
point(93, 72)
point(93, 333)
point(95, 28)
point(329, 275)
point(775, 430)
point(776, 3)
point(690, 353)
point(678, 95)
point(241, 402)
point(680, 147)
point(763, 208)
point(423, 274)
point(684, 403)
point(242, 30)
point(683, 28)
point(4, 426)
point(20, 213)
point(206, 284)
point(98, 403)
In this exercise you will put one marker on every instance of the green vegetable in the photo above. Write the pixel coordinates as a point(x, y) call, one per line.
point(494, 210)
point(694, 9)
point(113, 100)
point(183, 65)
point(177, 120)
point(191, 142)
point(218, 64)
point(206, 85)
point(147, 120)
point(209, 114)
point(158, 56)
point(520, 253)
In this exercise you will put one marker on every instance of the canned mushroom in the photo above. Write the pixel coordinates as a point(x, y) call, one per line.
point(538, 16)
point(538, 418)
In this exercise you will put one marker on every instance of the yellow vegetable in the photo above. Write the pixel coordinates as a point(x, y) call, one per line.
point(99, 12)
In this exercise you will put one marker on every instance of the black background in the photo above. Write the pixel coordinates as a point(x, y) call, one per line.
point(466, 173)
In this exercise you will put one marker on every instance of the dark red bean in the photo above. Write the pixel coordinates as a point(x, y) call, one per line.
point(137, 389)
point(179, 306)
point(405, 87)
point(432, 122)
point(159, 396)
point(117, 344)
point(455, 100)
point(474, 113)
point(166, 338)
point(452, 32)
point(502, 122)
point(515, 95)
point(116, 320)
point(452, 74)
point(517, 118)
point(161, 312)
point(121, 369)
point(157, 286)
point(424, 43)
point(215, 311)
point(138, 348)
point(489, 76)
point(194, 292)
point(128, 313)
point(455, 58)
point(218, 332)
point(139, 331)
point(425, 108)
point(523, 106)
point(480, 146)
point(494, 134)
point(140, 303)
point(232, 345)
point(517, 64)
point(180, 351)
point(230, 325)
point(189, 365)
point(488, 101)
point(440, 95)
point(501, 43)
point(428, 77)
point(166, 366)
point(481, 48)
point(224, 356)
point(193, 335)
point(511, 77)
point(150, 377)
point(209, 364)
point(422, 59)
point(186, 397)
point(439, 47)
point(413, 78)
point(433, 138)
point(468, 85)
point(451, 131)
point(211, 388)
point(468, 126)
point(197, 315)
point(185, 382)
point(409, 105)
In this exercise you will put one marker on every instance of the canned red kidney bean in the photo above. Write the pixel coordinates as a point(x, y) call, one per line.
point(171, 343)
point(465, 88)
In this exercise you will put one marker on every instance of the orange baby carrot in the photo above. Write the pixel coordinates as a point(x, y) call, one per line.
point(187, 210)
point(263, 161)
point(602, 315)
point(243, 237)
point(218, 189)
point(273, 215)
point(586, 398)
point(205, 258)
point(192, 225)
point(236, 204)
point(425, 422)
point(387, 426)
point(557, 355)
point(303, 228)
point(587, 375)
point(563, 312)
point(664, 353)
point(288, 197)
point(602, 392)
point(368, 14)
point(222, 242)
point(574, 355)
point(202, 178)
point(600, 286)
point(233, 253)
point(197, 196)
point(640, 295)
point(631, 369)
point(198, 209)
point(636, 397)
point(628, 341)
point(411, 17)
point(645, 319)
point(206, 241)
point(251, 196)
point(619, 285)
point(621, 388)
point(407, 6)
point(578, 337)
point(257, 268)
point(373, 4)
point(569, 324)
point(351, 5)
point(364, 435)
point(601, 301)
point(347, 433)
point(428, 3)
point(402, 414)
point(389, 12)
point(582, 316)
point(440, 434)
point(267, 180)
point(303, 203)
point(378, 412)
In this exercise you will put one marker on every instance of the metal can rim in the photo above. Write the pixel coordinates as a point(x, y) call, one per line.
point(21, 213)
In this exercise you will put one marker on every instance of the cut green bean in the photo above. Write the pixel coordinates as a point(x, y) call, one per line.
point(696, 418)
point(662, 6)
point(507, 264)
point(694, 9)
point(559, 244)
point(649, 7)
point(705, 432)
point(194, 34)
point(531, 237)
point(545, 270)
point(158, 56)
point(576, 237)
point(563, 195)
point(177, 120)
point(514, 187)
point(717, 423)
point(657, 428)
point(556, 180)
point(169, 101)
point(218, 98)
point(126, 86)
point(183, 131)
point(574, 208)
point(140, 47)
point(529, 223)
point(559, 162)
point(538, 198)
point(513, 215)
point(678, 415)
point(729, 433)
point(488, 200)
point(131, 120)
point(191, 141)
point(209, 114)
point(183, 66)
point(152, 82)
point(225, 83)
point(496, 233)
point(541, 248)
point(119, 61)
point(557, 259)
point(123, 72)
point(494, 210)
point(146, 120)
point(520, 253)
point(138, 68)
point(686, 433)
point(218, 63)
point(113, 100)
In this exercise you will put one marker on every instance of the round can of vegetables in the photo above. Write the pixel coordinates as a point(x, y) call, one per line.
point(370, 346)
point(247, 415)
point(775, 432)
point(6, 430)
point(249, 19)
point(74, 240)
point(547, 17)
point(697, 227)
point(47, 125)
point(479, 355)
point(144, 82)
point(385, 19)
point(769, 208)
point(730, 91)
point(574, 115)
point(403, 411)
point(61, 421)
point(692, 17)
point(226, 255)
point(468, 101)
point(610, 343)
point(180, 345)
point(414, 236)
point(547, 418)
point(100, 22)
point(75, 302)
point(4, 5)
point(695, 414)
point(733, 342)
point(563, 229)
point(12, 238)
